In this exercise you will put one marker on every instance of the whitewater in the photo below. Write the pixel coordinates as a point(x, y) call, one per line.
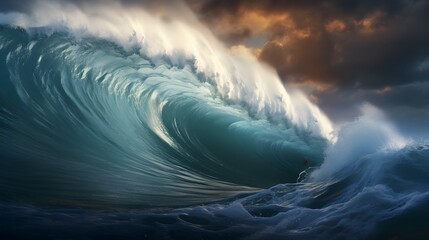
point(115, 121)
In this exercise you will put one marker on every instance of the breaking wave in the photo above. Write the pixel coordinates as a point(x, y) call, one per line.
point(102, 111)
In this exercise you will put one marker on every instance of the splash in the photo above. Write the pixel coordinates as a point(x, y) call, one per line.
point(370, 133)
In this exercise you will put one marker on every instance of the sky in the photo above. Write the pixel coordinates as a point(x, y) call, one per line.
point(341, 53)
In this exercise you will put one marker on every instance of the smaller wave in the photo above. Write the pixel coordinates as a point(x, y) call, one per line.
point(369, 134)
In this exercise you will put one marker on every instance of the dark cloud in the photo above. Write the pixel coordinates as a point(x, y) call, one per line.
point(369, 44)
point(349, 52)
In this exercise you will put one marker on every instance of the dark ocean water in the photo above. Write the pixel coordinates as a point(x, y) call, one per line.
point(101, 142)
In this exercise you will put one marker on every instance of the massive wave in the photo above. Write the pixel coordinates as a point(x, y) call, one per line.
point(122, 109)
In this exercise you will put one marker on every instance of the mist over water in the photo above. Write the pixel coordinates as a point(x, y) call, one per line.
point(108, 118)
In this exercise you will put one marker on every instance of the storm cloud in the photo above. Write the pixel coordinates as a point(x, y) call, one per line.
point(369, 44)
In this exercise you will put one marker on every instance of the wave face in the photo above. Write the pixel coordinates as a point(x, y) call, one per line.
point(87, 121)
point(182, 139)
